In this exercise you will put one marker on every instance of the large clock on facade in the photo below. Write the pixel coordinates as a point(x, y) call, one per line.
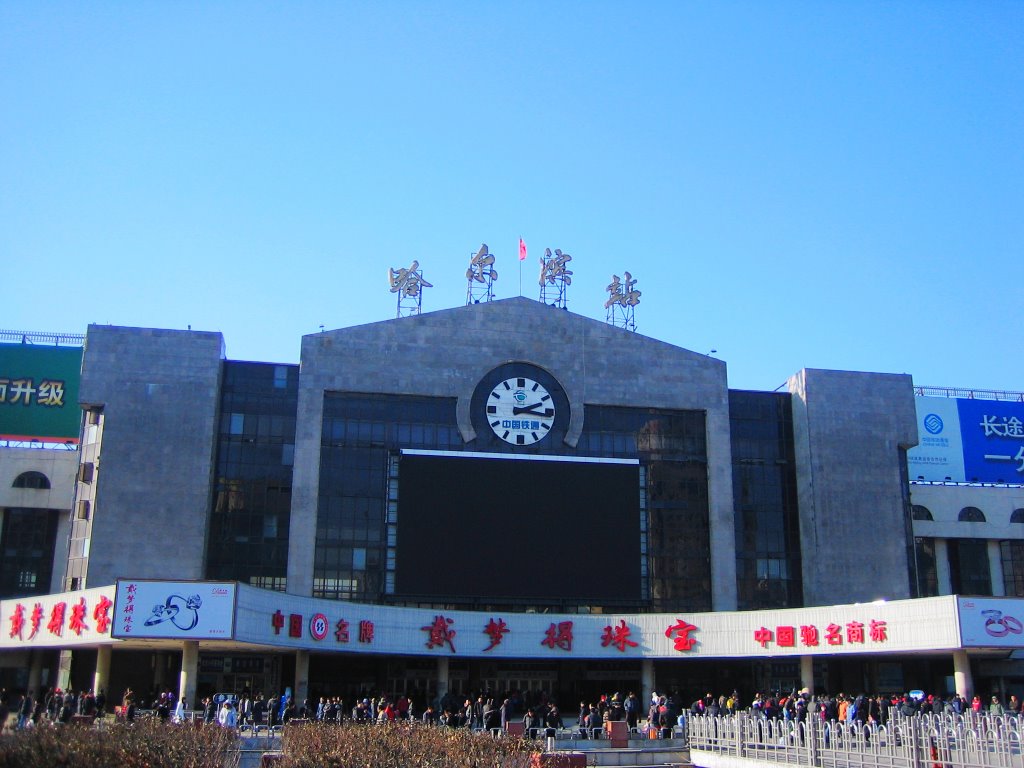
point(520, 411)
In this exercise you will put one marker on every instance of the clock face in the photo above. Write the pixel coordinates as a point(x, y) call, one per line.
point(520, 411)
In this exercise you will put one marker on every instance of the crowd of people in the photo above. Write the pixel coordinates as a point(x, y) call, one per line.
point(537, 712)
point(50, 706)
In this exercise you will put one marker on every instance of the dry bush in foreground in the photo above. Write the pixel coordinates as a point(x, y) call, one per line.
point(401, 745)
point(144, 744)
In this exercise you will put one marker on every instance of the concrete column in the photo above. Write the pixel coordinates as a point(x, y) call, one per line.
point(942, 567)
point(189, 675)
point(807, 673)
point(301, 677)
point(63, 680)
point(159, 671)
point(962, 674)
point(995, 568)
point(646, 684)
point(101, 678)
point(35, 672)
point(442, 679)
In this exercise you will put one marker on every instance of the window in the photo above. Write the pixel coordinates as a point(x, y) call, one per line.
point(85, 472)
point(927, 574)
point(1017, 516)
point(969, 567)
point(922, 513)
point(83, 510)
point(35, 480)
point(280, 376)
point(971, 515)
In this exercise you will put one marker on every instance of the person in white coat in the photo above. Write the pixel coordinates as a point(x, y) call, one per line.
point(228, 717)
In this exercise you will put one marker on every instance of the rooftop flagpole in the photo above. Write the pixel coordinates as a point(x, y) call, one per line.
point(522, 258)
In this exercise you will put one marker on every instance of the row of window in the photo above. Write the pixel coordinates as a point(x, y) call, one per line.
point(966, 515)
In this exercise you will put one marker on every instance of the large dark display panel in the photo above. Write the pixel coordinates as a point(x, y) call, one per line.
point(514, 528)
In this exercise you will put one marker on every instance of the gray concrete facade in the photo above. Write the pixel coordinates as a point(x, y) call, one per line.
point(850, 430)
point(160, 394)
point(447, 353)
point(60, 468)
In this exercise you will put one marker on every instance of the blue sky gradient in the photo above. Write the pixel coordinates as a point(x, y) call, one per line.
point(793, 184)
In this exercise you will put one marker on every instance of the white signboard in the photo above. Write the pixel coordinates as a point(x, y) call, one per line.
point(183, 610)
point(939, 453)
point(991, 622)
point(60, 620)
point(289, 621)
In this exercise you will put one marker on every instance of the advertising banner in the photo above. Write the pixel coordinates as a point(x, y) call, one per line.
point(182, 610)
point(61, 620)
point(968, 441)
point(289, 621)
point(39, 393)
point(991, 622)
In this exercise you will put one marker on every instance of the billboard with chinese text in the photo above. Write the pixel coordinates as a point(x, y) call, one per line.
point(968, 440)
point(66, 619)
point(268, 618)
point(186, 610)
point(39, 393)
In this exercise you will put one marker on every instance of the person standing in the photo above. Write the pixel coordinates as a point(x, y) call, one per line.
point(25, 710)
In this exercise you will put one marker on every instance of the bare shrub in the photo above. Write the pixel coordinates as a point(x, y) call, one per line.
point(400, 745)
point(143, 744)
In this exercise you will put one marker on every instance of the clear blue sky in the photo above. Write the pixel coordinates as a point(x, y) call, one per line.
point(793, 184)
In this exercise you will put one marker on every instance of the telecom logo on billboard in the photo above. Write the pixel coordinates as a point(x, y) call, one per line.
point(39, 393)
point(968, 440)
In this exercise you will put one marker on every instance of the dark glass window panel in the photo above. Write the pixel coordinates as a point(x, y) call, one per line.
point(971, 515)
point(35, 480)
point(922, 513)
point(764, 493)
point(26, 551)
point(969, 567)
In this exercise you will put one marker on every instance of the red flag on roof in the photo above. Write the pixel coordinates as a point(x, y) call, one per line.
point(522, 250)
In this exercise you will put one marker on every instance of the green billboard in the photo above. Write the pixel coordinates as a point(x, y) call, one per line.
point(39, 393)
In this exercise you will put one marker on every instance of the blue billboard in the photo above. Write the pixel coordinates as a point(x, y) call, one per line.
point(968, 440)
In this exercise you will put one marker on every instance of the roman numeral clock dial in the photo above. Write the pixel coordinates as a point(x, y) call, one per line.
point(520, 411)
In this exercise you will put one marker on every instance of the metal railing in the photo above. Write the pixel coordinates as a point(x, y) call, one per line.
point(923, 741)
point(43, 337)
point(968, 393)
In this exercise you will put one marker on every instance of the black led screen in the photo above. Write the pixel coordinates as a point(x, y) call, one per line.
point(515, 528)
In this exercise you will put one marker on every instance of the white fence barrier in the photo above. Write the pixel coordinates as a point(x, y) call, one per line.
point(923, 741)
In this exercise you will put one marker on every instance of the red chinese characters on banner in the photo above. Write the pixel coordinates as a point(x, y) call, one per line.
point(78, 613)
point(365, 631)
point(682, 629)
point(440, 633)
point(617, 636)
point(129, 609)
point(763, 636)
point(341, 631)
point(18, 621)
point(558, 636)
point(833, 634)
point(785, 637)
point(278, 622)
point(856, 632)
point(495, 630)
point(56, 622)
point(877, 631)
point(101, 614)
point(36, 620)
